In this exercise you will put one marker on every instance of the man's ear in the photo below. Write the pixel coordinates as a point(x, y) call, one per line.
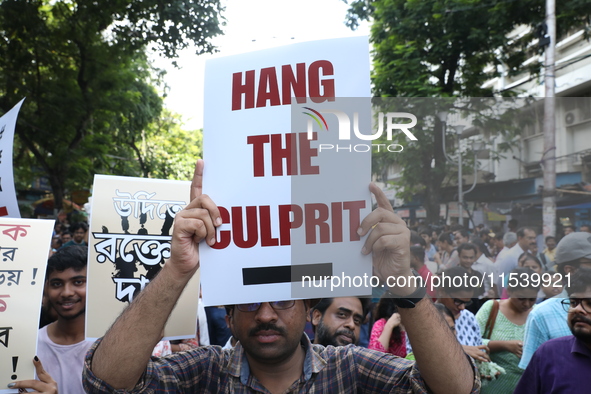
point(307, 305)
point(230, 321)
point(569, 269)
point(316, 317)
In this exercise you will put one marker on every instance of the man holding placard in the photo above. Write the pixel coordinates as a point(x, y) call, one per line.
point(277, 356)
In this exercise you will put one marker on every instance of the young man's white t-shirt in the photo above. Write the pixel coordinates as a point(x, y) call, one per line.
point(63, 362)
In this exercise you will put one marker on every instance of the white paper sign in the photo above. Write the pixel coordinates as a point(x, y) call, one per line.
point(290, 209)
point(24, 248)
point(129, 241)
point(8, 203)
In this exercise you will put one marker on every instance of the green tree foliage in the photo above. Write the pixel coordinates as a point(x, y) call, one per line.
point(82, 66)
point(166, 150)
point(446, 48)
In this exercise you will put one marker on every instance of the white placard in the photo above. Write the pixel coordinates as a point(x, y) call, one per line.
point(268, 176)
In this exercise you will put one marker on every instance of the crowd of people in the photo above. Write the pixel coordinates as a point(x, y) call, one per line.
point(525, 336)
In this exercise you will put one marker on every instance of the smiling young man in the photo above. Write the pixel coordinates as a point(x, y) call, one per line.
point(338, 321)
point(61, 345)
point(273, 354)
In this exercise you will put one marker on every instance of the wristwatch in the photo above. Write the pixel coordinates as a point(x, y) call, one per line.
point(411, 300)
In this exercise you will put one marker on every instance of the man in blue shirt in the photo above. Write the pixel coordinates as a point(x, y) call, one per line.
point(548, 320)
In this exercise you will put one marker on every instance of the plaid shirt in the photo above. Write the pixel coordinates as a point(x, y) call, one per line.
point(326, 370)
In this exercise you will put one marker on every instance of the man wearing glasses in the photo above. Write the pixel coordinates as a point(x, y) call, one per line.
point(273, 354)
point(548, 320)
point(456, 295)
point(562, 365)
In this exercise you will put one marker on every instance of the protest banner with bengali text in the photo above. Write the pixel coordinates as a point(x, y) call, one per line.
point(290, 210)
point(24, 249)
point(129, 241)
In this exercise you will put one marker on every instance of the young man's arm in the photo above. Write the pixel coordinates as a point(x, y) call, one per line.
point(135, 333)
point(433, 343)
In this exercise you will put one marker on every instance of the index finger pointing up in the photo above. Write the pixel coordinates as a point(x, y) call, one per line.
point(381, 198)
point(197, 182)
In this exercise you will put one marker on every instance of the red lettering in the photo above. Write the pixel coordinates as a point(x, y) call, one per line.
point(246, 89)
point(306, 154)
point(268, 88)
point(297, 149)
point(354, 208)
point(290, 83)
point(289, 153)
point(252, 236)
point(313, 221)
point(312, 84)
point(315, 218)
point(336, 210)
point(258, 153)
point(315, 82)
point(266, 237)
point(285, 224)
point(224, 236)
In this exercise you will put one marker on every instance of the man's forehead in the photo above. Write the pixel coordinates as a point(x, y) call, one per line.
point(586, 294)
point(351, 303)
point(67, 273)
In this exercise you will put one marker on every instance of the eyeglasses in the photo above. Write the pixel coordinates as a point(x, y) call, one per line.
point(459, 302)
point(276, 305)
point(575, 302)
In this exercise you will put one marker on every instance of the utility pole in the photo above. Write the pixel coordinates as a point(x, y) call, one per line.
point(549, 155)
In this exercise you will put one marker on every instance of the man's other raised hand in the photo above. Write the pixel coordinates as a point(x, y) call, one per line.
point(197, 222)
point(388, 241)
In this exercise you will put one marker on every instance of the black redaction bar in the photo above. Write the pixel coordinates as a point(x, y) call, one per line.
point(284, 273)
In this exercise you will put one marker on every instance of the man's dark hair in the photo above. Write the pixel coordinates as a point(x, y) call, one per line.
point(499, 236)
point(580, 282)
point(530, 257)
point(324, 303)
point(418, 252)
point(447, 237)
point(521, 232)
point(77, 226)
point(73, 257)
point(426, 232)
point(479, 243)
point(455, 227)
point(448, 285)
point(549, 237)
point(416, 239)
point(463, 232)
point(467, 246)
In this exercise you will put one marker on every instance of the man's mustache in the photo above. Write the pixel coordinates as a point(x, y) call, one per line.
point(348, 333)
point(580, 319)
point(266, 327)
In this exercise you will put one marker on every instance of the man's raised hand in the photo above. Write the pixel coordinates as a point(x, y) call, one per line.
point(193, 224)
point(388, 241)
